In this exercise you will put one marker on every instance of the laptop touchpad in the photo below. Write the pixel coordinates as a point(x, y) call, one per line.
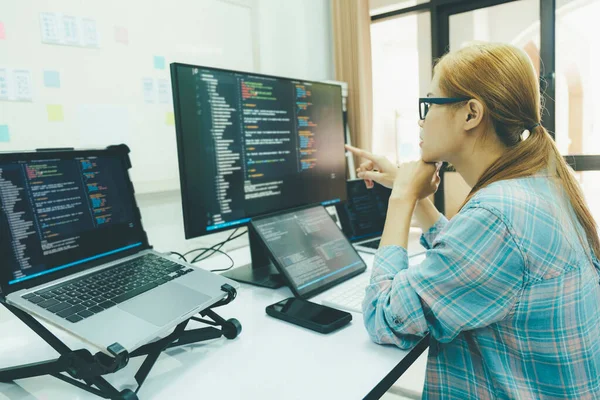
point(164, 304)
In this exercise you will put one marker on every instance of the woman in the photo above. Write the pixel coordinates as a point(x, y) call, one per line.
point(509, 289)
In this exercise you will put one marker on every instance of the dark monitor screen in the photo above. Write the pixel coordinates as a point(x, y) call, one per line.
point(60, 213)
point(363, 214)
point(309, 249)
point(252, 144)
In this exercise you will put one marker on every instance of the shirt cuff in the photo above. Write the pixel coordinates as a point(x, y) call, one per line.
point(428, 237)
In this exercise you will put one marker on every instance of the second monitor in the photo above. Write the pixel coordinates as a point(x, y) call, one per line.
point(252, 144)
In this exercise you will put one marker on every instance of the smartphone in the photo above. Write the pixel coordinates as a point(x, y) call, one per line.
point(309, 315)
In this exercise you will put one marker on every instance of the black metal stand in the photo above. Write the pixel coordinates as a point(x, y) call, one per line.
point(85, 370)
point(261, 271)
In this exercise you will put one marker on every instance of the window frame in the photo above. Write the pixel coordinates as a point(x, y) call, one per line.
point(440, 12)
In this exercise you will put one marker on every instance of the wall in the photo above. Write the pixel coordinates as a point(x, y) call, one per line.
point(101, 98)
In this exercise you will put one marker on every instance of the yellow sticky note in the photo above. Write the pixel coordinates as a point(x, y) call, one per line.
point(55, 112)
point(170, 118)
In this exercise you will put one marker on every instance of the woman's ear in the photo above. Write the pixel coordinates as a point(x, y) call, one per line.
point(473, 114)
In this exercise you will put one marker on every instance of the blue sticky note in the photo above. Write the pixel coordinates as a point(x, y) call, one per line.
point(4, 135)
point(159, 62)
point(52, 79)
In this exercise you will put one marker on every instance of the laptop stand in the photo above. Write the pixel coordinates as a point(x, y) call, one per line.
point(85, 370)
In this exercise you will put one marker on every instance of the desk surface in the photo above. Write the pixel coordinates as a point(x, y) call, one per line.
point(271, 359)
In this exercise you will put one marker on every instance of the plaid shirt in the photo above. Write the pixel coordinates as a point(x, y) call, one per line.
point(508, 293)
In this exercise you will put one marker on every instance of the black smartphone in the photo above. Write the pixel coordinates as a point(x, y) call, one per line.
point(309, 315)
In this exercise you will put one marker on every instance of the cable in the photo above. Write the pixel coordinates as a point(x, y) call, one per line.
point(223, 242)
point(215, 248)
point(181, 256)
point(224, 269)
point(218, 251)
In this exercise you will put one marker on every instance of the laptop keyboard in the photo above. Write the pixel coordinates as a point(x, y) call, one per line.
point(372, 244)
point(81, 298)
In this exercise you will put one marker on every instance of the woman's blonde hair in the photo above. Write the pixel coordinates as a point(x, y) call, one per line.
point(503, 79)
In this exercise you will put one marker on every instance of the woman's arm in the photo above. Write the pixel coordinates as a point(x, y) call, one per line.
point(426, 215)
point(470, 278)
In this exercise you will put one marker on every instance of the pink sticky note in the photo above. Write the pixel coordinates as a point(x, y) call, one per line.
point(121, 35)
point(2, 32)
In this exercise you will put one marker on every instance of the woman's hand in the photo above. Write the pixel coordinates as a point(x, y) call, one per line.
point(416, 180)
point(376, 168)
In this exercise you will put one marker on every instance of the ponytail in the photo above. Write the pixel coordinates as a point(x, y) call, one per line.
point(531, 155)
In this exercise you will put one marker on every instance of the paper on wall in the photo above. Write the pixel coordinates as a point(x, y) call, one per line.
point(89, 32)
point(57, 28)
point(148, 88)
point(52, 79)
point(55, 112)
point(170, 118)
point(70, 31)
point(4, 134)
point(3, 84)
point(164, 91)
point(22, 85)
point(49, 28)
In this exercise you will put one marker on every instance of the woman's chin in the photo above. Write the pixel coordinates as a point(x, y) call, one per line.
point(427, 157)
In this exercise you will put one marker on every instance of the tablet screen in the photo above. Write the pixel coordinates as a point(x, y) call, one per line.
point(309, 249)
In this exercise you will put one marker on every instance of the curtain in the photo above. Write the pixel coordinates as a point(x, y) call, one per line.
point(352, 46)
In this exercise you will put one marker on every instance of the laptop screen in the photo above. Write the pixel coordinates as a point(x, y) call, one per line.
point(363, 214)
point(64, 212)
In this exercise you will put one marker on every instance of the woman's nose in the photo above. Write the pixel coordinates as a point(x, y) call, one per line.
point(421, 123)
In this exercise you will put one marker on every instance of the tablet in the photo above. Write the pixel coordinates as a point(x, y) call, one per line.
point(309, 249)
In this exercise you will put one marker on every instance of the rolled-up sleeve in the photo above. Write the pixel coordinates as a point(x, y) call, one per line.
point(428, 237)
point(471, 277)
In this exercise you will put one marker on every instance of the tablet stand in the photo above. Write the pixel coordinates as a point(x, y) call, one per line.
point(85, 370)
point(261, 271)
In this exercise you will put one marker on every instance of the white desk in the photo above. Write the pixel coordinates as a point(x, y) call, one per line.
point(271, 359)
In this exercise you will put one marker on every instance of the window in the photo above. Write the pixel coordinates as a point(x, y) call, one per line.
point(401, 51)
point(577, 79)
point(382, 6)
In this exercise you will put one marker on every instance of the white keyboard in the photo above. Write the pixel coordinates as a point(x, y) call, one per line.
point(350, 297)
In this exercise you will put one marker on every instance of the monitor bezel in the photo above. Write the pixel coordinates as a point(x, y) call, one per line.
point(190, 229)
point(282, 270)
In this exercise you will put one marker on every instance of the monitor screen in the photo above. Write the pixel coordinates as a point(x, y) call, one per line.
point(363, 214)
point(64, 212)
point(309, 249)
point(252, 144)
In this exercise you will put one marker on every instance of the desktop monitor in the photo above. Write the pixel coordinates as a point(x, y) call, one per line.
point(252, 144)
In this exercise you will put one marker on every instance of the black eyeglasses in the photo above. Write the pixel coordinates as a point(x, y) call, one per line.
point(424, 103)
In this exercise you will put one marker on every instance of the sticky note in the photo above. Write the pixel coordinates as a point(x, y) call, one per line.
point(4, 134)
point(52, 79)
point(121, 35)
point(159, 62)
point(2, 31)
point(55, 112)
point(148, 87)
point(170, 118)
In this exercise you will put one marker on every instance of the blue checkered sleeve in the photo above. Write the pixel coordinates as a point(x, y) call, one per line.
point(471, 277)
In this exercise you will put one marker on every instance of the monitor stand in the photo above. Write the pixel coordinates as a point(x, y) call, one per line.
point(261, 271)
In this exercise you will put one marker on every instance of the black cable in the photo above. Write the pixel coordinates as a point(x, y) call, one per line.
point(223, 242)
point(222, 252)
point(181, 256)
point(215, 248)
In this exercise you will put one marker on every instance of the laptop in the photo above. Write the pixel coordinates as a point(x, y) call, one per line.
point(362, 216)
point(74, 252)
